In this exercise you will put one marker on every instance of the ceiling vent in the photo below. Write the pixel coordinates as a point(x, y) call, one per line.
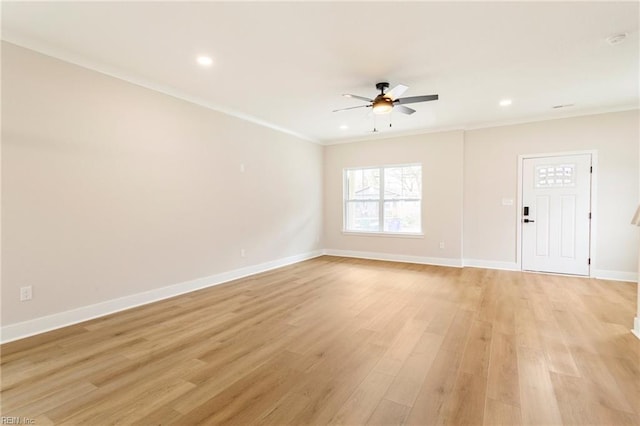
point(616, 38)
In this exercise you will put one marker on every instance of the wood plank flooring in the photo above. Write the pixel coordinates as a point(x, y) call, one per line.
point(344, 341)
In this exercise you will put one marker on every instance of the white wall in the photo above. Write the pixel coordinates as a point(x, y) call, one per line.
point(441, 157)
point(480, 167)
point(491, 167)
point(110, 189)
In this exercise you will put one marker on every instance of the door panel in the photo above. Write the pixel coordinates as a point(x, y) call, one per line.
point(542, 229)
point(556, 232)
point(568, 226)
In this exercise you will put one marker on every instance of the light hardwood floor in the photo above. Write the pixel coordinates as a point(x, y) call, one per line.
point(344, 341)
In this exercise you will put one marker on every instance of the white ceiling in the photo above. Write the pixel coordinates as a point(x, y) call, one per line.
point(286, 64)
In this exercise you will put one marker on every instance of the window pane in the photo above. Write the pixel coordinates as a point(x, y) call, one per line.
point(363, 184)
point(393, 182)
point(362, 216)
point(402, 182)
point(402, 216)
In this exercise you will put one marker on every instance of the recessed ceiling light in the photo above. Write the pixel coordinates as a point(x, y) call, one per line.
point(616, 38)
point(205, 61)
point(344, 127)
point(505, 102)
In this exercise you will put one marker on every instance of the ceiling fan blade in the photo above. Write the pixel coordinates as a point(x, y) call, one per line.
point(359, 106)
point(362, 98)
point(397, 91)
point(414, 99)
point(403, 109)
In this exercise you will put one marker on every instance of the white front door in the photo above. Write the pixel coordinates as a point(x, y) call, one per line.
point(555, 217)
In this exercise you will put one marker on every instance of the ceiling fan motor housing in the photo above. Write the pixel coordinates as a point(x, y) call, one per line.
point(382, 104)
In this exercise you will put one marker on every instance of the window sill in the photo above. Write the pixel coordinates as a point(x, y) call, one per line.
point(383, 234)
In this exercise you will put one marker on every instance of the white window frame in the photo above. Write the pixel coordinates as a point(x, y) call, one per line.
point(381, 200)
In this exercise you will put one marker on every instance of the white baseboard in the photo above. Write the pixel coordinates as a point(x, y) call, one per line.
point(491, 264)
point(440, 261)
point(512, 266)
point(636, 327)
point(473, 263)
point(615, 275)
point(35, 326)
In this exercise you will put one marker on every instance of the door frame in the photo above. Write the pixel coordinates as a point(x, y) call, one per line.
point(594, 205)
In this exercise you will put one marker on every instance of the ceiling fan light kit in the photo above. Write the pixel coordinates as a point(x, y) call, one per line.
point(382, 105)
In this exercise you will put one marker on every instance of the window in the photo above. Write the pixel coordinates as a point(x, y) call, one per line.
point(384, 199)
point(555, 176)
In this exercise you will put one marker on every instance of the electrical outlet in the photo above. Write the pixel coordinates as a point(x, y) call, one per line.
point(441, 244)
point(243, 253)
point(26, 293)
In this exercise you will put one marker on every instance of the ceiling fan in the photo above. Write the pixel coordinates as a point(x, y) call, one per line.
point(385, 102)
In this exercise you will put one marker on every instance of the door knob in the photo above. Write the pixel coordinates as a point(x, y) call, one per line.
point(528, 221)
